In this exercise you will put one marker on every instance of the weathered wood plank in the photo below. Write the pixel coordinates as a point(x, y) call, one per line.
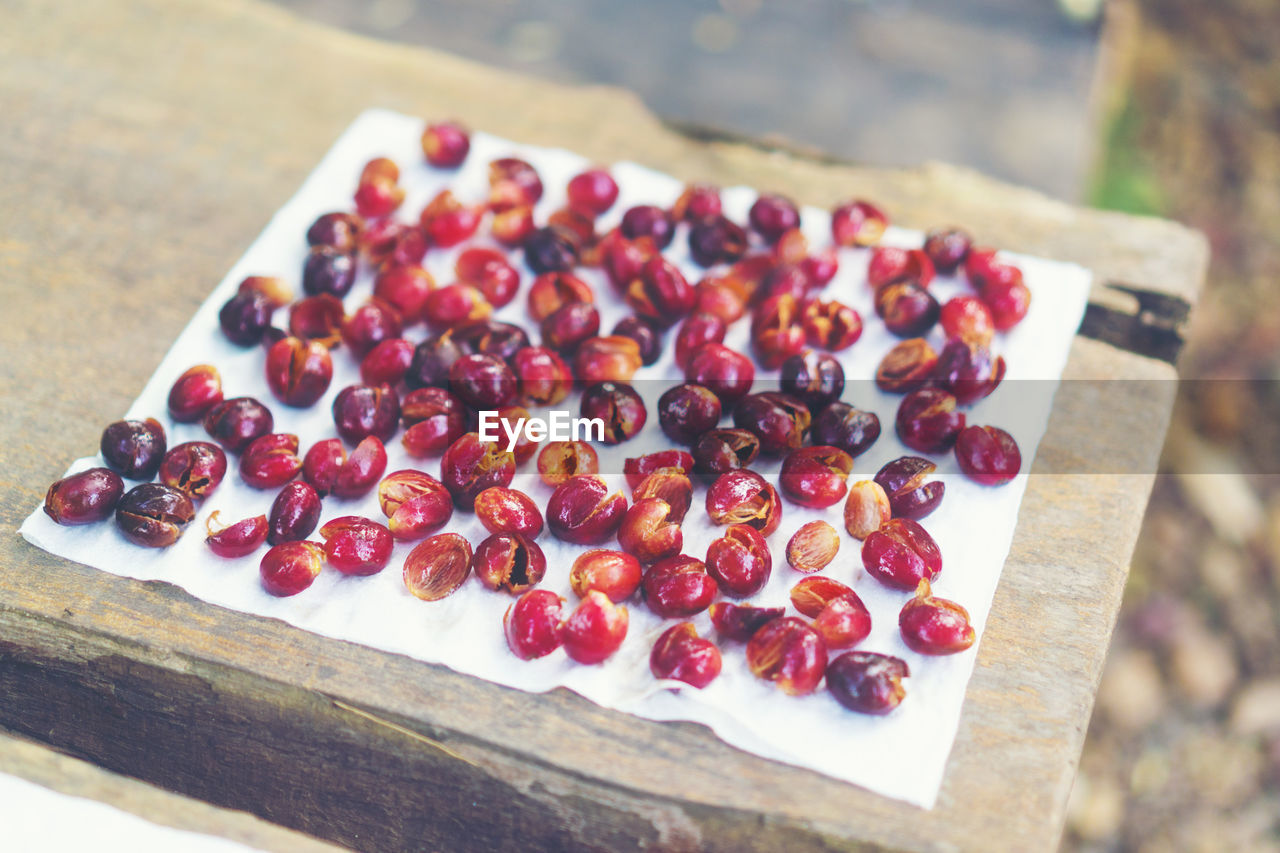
point(75, 778)
point(149, 143)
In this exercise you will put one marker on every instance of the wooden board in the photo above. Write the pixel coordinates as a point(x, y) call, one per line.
point(146, 143)
point(74, 778)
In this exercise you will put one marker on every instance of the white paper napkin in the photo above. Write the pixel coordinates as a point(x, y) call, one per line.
point(902, 755)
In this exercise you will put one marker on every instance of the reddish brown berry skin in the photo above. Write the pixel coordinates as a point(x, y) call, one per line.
point(360, 411)
point(544, 377)
point(813, 547)
point(194, 467)
point(318, 319)
point(503, 510)
point(908, 310)
point(448, 222)
point(415, 503)
point(907, 366)
point(363, 468)
point(433, 419)
point(294, 514)
point(722, 450)
point(470, 466)
point(891, 265)
point(84, 498)
point(947, 248)
point(934, 626)
point(560, 460)
point(406, 288)
point(697, 202)
point(592, 192)
point(511, 562)
point(1006, 295)
point(816, 476)
point(271, 461)
point(446, 144)
point(618, 407)
point(727, 373)
point(298, 372)
point(339, 230)
point(777, 330)
point(134, 448)
point(928, 421)
point(832, 326)
point(789, 653)
point(153, 515)
point(740, 621)
point(867, 682)
point(235, 423)
point(773, 215)
point(811, 595)
point(988, 455)
point(678, 587)
point(858, 223)
point(901, 554)
point(968, 318)
point(637, 468)
point(239, 539)
point(841, 425)
point(532, 624)
point(698, 329)
point(554, 290)
point(321, 464)
point(437, 566)
point(740, 561)
point(844, 622)
point(815, 379)
point(648, 533)
point(903, 481)
point(387, 363)
point(686, 412)
point(483, 381)
point(779, 421)
point(717, 240)
point(967, 370)
point(513, 183)
point(290, 567)
point(369, 325)
point(595, 629)
point(194, 393)
point(245, 317)
point(647, 221)
point(614, 573)
point(582, 511)
point(672, 486)
point(682, 655)
point(744, 497)
point(566, 329)
point(356, 545)
point(660, 293)
point(328, 271)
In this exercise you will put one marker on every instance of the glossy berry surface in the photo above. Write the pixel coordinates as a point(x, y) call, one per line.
point(744, 497)
point(688, 411)
point(901, 554)
point(510, 562)
point(934, 626)
point(678, 587)
point(194, 393)
point(532, 624)
point(681, 655)
point(815, 379)
point(354, 545)
point(582, 511)
point(740, 561)
point(927, 420)
point(194, 467)
point(470, 466)
point(290, 567)
point(617, 574)
point(988, 455)
point(238, 539)
point(560, 460)
point(153, 515)
point(740, 621)
point(789, 653)
point(595, 629)
point(236, 422)
point(867, 682)
point(815, 476)
point(84, 498)
point(134, 448)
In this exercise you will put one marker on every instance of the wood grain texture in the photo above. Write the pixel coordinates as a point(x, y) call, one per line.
point(146, 144)
point(75, 778)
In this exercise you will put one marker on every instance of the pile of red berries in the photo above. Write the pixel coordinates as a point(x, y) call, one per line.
point(763, 272)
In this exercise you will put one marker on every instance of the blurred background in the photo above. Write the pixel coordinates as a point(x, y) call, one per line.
point(1164, 107)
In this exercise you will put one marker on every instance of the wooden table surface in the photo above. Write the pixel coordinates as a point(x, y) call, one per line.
point(146, 143)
